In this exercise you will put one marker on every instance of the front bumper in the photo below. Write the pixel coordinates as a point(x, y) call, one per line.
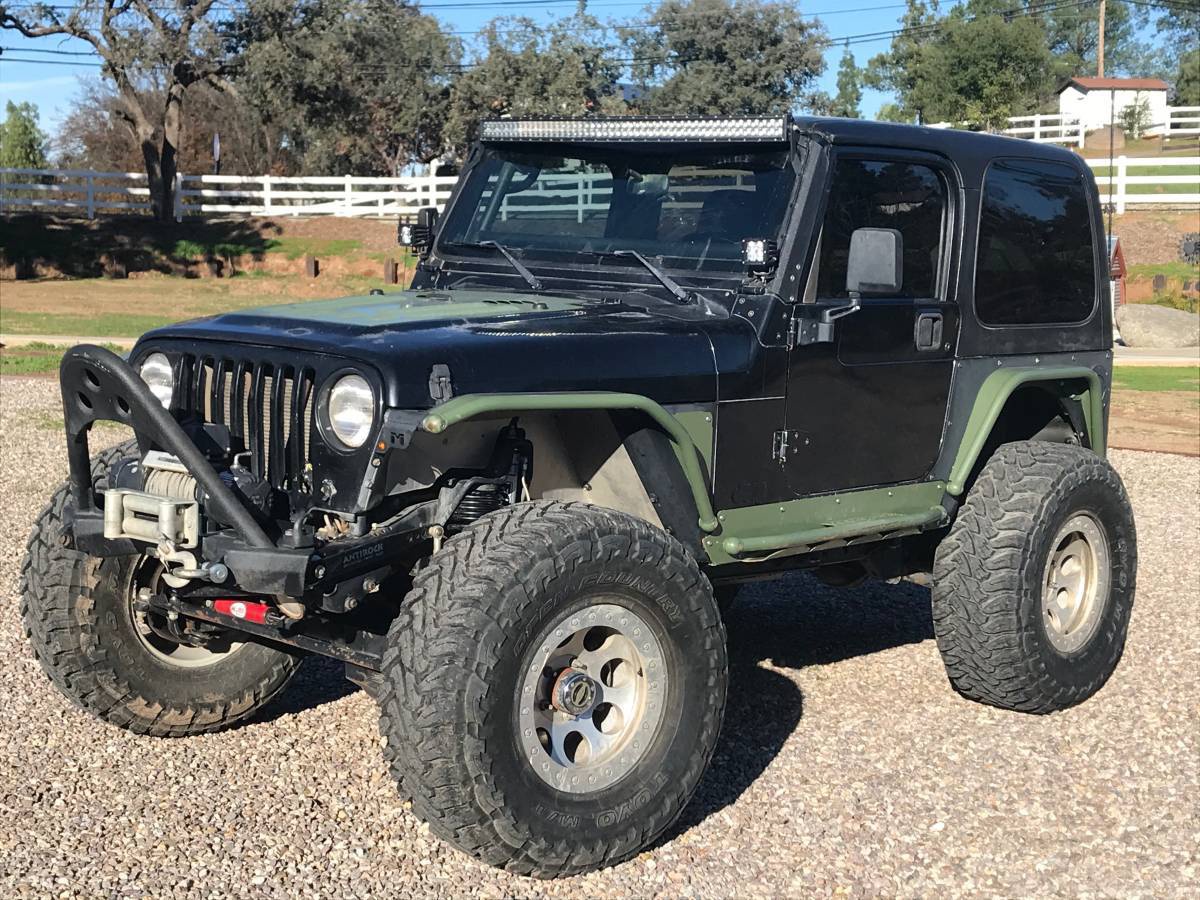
point(99, 385)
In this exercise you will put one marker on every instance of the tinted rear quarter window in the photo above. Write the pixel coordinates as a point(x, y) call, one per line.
point(1034, 264)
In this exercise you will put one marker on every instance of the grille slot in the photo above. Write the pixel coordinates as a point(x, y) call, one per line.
point(268, 408)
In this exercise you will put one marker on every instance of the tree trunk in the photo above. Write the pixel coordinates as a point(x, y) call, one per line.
point(172, 126)
point(154, 175)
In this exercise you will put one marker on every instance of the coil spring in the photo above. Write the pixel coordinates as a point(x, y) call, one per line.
point(479, 501)
point(165, 483)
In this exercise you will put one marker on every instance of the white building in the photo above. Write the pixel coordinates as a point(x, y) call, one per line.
point(1097, 102)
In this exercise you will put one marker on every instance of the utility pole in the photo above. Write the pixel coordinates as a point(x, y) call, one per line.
point(1100, 46)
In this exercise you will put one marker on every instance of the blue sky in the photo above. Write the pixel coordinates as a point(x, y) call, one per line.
point(53, 86)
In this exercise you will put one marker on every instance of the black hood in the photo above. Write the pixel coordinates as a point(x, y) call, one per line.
point(491, 342)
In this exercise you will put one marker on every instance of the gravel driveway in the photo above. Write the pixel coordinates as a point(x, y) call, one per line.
point(847, 765)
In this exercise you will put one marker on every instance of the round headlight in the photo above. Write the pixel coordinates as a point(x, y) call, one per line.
point(156, 371)
point(351, 410)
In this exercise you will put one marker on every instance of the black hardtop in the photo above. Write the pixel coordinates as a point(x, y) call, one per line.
point(964, 147)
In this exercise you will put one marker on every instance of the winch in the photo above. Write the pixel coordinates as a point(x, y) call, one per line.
point(164, 513)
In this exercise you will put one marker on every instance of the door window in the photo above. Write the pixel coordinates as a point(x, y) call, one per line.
point(1034, 263)
point(866, 193)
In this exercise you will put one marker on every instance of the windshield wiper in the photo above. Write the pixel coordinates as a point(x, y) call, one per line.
point(677, 291)
point(530, 279)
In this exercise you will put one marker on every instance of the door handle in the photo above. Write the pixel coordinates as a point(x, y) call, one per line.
point(927, 332)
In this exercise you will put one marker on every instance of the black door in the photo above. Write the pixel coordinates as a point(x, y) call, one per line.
point(868, 407)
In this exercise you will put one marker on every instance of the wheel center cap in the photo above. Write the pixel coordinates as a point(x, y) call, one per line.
point(573, 693)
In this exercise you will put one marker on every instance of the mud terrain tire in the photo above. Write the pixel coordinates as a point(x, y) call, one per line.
point(81, 628)
point(1003, 637)
point(493, 599)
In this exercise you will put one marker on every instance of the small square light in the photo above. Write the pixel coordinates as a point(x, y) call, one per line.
point(759, 254)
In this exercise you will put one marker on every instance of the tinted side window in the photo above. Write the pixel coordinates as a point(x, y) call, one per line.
point(1034, 264)
point(881, 194)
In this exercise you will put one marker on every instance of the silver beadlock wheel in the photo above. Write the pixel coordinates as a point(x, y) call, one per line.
point(1076, 583)
point(592, 698)
point(152, 630)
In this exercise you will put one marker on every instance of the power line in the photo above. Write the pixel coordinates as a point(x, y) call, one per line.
point(50, 52)
point(50, 62)
point(833, 42)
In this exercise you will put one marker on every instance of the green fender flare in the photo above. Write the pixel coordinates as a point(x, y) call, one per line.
point(994, 393)
point(470, 405)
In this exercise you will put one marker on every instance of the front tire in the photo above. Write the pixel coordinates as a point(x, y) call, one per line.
point(553, 687)
point(109, 660)
point(1034, 584)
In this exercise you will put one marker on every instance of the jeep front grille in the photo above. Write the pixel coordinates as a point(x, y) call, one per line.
point(268, 408)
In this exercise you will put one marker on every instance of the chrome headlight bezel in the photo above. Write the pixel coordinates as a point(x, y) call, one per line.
point(161, 378)
point(346, 393)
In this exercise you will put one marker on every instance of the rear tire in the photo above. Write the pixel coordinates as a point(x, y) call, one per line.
point(80, 623)
point(522, 603)
point(1034, 584)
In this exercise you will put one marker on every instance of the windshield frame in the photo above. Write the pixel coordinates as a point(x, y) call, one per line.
point(585, 265)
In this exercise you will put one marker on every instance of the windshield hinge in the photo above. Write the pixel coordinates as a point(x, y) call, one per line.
point(441, 386)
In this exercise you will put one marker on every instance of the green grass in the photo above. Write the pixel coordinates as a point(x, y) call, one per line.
point(1140, 170)
point(1176, 269)
point(39, 358)
point(296, 247)
point(100, 325)
point(1157, 378)
point(195, 251)
point(1150, 169)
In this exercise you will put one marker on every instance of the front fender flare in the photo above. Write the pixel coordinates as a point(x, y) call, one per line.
point(470, 405)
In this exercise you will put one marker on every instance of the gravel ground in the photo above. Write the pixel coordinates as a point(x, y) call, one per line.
point(847, 765)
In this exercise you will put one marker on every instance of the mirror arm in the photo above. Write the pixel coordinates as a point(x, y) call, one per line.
point(831, 314)
point(813, 323)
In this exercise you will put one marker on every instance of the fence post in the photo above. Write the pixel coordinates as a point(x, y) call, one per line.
point(347, 196)
point(267, 194)
point(1037, 127)
point(1120, 179)
point(178, 188)
point(1082, 135)
point(91, 195)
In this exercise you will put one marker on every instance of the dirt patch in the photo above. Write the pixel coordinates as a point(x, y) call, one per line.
point(378, 235)
point(1163, 421)
point(1153, 236)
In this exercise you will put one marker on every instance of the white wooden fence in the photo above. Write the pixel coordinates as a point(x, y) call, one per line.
point(1182, 121)
point(1047, 129)
point(1133, 181)
point(1056, 128)
point(1137, 180)
point(256, 195)
point(274, 195)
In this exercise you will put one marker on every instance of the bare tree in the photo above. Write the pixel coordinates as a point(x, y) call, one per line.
point(171, 40)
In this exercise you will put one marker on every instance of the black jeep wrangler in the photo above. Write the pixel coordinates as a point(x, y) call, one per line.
point(642, 361)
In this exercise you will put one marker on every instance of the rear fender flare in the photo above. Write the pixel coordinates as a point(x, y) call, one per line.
point(1071, 384)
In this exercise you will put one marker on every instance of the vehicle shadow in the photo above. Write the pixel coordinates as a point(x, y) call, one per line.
point(320, 680)
point(791, 624)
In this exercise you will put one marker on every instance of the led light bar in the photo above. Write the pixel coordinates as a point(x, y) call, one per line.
point(642, 128)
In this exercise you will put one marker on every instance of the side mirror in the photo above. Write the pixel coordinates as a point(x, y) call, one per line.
point(419, 234)
point(876, 263)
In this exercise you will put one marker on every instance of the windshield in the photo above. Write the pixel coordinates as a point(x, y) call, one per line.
point(686, 208)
